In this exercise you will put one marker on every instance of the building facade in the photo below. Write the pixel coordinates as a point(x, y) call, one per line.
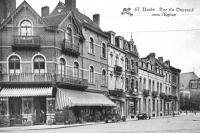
point(50, 62)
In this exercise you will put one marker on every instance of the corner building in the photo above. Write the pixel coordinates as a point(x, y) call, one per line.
point(50, 62)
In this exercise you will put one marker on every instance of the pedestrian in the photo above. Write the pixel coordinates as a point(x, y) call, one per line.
point(42, 116)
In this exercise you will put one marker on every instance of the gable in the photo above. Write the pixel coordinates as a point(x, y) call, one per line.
point(24, 11)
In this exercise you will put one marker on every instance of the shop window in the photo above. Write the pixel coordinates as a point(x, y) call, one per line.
point(3, 107)
point(51, 106)
point(27, 104)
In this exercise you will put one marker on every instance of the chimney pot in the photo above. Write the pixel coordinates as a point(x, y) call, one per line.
point(45, 11)
point(160, 59)
point(96, 19)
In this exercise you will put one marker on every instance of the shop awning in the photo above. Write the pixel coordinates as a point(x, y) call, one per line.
point(26, 92)
point(70, 98)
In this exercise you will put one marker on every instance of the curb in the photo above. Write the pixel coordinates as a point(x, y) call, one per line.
point(68, 126)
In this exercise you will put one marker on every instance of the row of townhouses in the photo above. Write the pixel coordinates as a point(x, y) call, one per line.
point(63, 59)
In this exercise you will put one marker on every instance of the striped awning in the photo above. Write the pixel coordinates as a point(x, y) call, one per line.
point(70, 98)
point(26, 92)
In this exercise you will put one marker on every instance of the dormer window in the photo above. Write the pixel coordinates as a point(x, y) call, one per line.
point(69, 35)
point(26, 28)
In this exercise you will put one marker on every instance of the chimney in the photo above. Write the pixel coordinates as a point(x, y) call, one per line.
point(167, 62)
point(96, 19)
point(44, 11)
point(152, 55)
point(6, 8)
point(160, 59)
point(70, 4)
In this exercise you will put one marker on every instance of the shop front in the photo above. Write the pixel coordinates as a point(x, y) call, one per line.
point(131, 107)
point(26, 106)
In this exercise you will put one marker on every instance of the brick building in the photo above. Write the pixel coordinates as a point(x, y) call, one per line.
point(50, 62)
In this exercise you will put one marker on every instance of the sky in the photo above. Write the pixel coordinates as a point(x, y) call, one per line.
point(175, 38)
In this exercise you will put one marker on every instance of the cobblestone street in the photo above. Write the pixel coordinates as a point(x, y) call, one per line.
point(178, 124)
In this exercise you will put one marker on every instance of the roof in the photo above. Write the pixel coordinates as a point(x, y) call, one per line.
point(185, 79)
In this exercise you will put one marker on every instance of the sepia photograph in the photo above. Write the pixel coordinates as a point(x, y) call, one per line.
point(107, 66)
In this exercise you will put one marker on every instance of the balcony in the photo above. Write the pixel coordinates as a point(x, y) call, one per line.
point(146, 93)
point(154, 94)
point(71, 81)
point(26, 43)
point(162, 95)
point(118, 70)
point(133, 92)
point(70, 49)
point(117, 93)
point(25, 78)
point(43, 79)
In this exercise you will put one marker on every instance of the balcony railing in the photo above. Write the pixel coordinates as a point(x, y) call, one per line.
point(33, 78)
point(154, 94)
point(26, 42)
point(118, 70)
point(70, 48)
point(117, 93)
point(146, 92)
point(74, 82)
point(25, 77)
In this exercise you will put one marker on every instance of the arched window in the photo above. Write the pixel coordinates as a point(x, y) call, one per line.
point(76, 69)
point(140, 84)
point(61, 67)
point(91, 74)
point(91, 46)
point(69, 35)
point(132, 64)
point(103, 50)
point(14, 64)
point(39, 64)
point(104, 77)
point(26, 28)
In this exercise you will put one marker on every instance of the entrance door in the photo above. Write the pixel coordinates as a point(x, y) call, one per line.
point(15, 110)
point(40, 110)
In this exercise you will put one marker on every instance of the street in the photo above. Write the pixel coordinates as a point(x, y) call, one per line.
point(178, 124)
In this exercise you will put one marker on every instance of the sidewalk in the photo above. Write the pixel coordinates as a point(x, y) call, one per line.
point(45, 127)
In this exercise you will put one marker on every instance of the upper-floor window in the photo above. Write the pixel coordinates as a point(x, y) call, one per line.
point(76, 69)
point(132, 84)
point(132, 64)
point(39, 64)
point(91, 50)
point(153, 86)
point(144, 83)
point(157, 86)
point(104, 77)
point(149, 84)
point(126, 84)
point(91, 74)
point(61, 66)
point(69, 35)
point(14, 64)
point(127, 63)
point(26, 28)
point(160, 87)
point(103, 50)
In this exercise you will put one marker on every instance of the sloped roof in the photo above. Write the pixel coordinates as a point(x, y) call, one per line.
point(185, 79)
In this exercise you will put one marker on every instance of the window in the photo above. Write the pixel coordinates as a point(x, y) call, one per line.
point(39, 64)
point(160, 87)
point(26, 28)
point(132, 84)
point(132, 64)
point(127, 63)
point(160, 105)
point(91, 74)
point(69, 35)
point(140, 84)
point(61, 67)
point(103, 50)
point(136, 86)
point(153, 100)
point(91, 46)
point(153, 86)
point(157, 86)
point(194, 84)
point(166, 89)
point(149, 84)
point(14, 64)
point(126, 84)
point(76, 69)
point(144, 84)
point(104, 77)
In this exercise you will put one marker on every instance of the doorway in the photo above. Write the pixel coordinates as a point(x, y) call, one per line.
point(40, 110)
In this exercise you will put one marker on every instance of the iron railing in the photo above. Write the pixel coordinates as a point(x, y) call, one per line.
point(26, 42)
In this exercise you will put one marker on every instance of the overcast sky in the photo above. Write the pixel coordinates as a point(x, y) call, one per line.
point(176, 38)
